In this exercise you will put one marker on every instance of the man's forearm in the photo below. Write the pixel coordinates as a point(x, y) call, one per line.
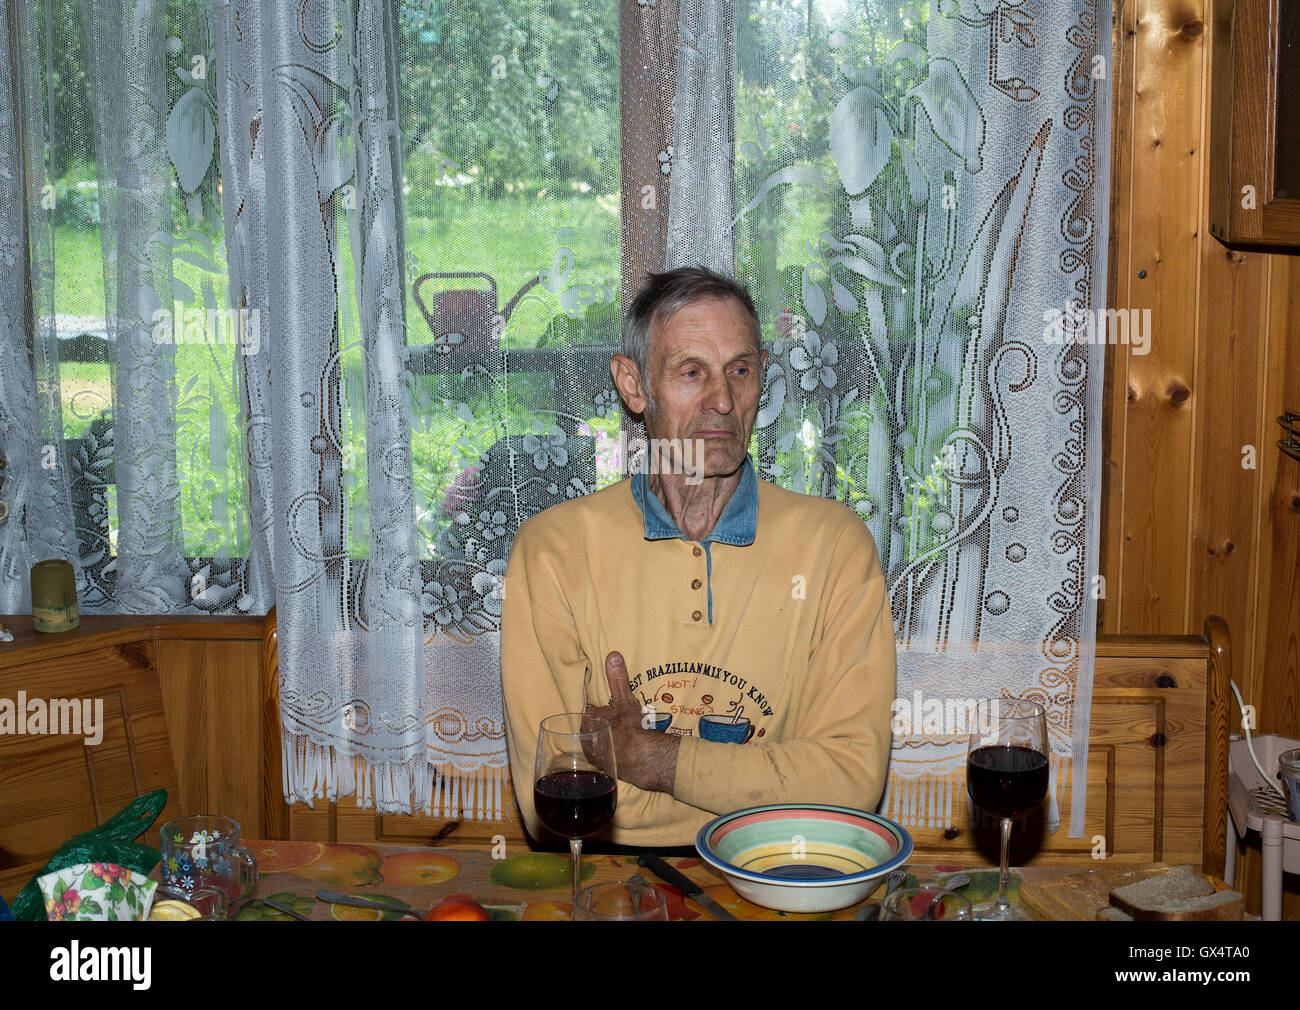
point(720, 777)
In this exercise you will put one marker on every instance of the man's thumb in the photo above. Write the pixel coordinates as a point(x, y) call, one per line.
point(616, 674)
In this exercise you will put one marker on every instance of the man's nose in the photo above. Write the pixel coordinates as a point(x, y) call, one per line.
point(720, 398)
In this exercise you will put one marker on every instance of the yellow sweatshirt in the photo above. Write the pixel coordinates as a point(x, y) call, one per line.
point(791, 632)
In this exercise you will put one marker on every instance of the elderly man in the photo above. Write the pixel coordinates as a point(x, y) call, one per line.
point(754, 618)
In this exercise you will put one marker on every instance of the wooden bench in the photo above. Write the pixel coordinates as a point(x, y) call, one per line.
point(1157, 782)
point(174, 717)
point(55, 785)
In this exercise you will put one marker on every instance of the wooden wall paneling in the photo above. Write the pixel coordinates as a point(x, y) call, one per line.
point(1277, 686)
point(275, 814)
point(1119, 280)
point(1238, 359)
point(212, 693)
point(313, 824)
point(1231, 354)
point(1232, 361)
point(185, 698)
point(344, 821)
point(356, 825)
point(1274, 680)
point(401, 830)
point(1218, 722)
point(1161, 232)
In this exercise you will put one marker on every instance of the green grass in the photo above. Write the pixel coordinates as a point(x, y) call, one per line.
point(512, 239)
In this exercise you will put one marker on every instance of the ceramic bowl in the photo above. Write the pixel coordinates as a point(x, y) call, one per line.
point(103, 892)
point(803, 857)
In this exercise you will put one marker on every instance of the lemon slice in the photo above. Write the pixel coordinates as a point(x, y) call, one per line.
point(350, 913)
point(172, 911)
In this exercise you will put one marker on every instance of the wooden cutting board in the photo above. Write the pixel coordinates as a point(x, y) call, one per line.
point(1079, 894)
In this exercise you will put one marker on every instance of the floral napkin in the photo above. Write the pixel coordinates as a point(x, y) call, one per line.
point(106, 844)
point(99, 892)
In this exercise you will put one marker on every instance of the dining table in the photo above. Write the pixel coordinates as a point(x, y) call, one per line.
point(517, 884)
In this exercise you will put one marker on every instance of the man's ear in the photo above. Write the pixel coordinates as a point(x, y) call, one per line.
point(627, 380)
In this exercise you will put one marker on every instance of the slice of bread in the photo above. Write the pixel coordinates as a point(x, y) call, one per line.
point(1108, 914)
point(1180, 894)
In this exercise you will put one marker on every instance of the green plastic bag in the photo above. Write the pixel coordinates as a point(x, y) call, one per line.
point(110, 842)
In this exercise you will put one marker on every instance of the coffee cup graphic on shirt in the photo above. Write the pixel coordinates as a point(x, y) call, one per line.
point(722, 729)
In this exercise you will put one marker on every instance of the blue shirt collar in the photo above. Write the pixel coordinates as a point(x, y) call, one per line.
point(737, 525)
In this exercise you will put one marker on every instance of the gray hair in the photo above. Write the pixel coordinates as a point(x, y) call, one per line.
point(662, 297)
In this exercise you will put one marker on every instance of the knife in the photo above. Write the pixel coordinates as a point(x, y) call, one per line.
point(285, 909)
point(689, 888)
point(334, 898)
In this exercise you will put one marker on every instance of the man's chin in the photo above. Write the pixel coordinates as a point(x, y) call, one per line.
point(719, 461)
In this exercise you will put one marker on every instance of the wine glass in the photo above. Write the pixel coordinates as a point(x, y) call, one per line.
point(1006, 774)
point(631, 900)
point(575, 784)
point(923, 904)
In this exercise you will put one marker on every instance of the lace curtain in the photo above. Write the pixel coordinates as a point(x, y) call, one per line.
point(920, 205)
point(119, 357)
point(321, 298)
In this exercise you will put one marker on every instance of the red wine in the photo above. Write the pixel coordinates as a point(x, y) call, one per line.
point(575, 804)
point(1006, 781)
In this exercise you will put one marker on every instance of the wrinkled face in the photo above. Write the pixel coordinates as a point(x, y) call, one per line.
point(706, 376)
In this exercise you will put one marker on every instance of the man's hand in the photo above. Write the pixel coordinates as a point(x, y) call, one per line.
point(645, 758)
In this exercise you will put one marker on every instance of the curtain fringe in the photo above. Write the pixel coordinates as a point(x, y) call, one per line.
point(314, 771)
point(933, 800)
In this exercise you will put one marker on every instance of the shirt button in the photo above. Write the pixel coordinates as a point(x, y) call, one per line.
point(696, 583)
point(696, 551)
point(696, 616)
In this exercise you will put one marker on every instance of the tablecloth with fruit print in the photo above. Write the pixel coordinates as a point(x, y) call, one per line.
point(508, 884)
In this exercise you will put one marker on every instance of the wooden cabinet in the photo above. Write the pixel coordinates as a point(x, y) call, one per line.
point(1254, 193)
point(1157, 765)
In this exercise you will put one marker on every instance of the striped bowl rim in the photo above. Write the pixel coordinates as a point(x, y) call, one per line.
point(721, 826)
